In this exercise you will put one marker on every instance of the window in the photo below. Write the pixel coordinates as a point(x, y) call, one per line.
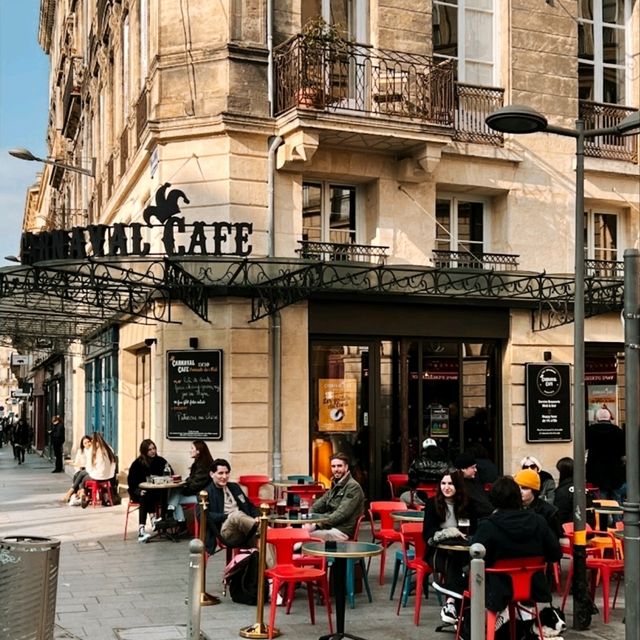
point(328, 212)
point(601, 236)
point(464, 30)
point(602, 47)
point(144, 41)
point(460, 226)
point(125, 68)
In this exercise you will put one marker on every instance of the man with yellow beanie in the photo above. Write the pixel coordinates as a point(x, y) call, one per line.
point(529, 482)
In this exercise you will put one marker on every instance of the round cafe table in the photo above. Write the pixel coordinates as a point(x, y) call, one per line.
point(166, 486)
point(340, 554)
point(310, 518)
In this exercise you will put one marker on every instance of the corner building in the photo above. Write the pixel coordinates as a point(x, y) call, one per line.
point(361, 260)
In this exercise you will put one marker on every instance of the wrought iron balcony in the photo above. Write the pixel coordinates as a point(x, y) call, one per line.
point(346, 76)
point(71, 99)
point(473, 105)
point(467, 260)
point(342, 252)
point(597, 115)
point(604, 268)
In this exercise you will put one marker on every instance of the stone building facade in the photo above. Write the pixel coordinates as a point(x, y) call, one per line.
point(409, 257)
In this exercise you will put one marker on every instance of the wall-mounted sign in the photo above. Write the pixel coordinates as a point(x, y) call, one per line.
point(439, 421)
point(548, 403)
point(338, 401)
point(19, 359)
point(178, 238)
point(194, 395)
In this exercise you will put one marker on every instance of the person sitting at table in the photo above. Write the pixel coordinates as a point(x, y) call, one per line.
point(341, 505)
point(563, 499)
point(198, 479)
point(467, 466)
point(148, 463)
point(427, 468)
point(529, 482)
point(80, 463)
point(513, 532)
point(547, 483)
point(445, 514)
point(100, 465)
point(231, 516)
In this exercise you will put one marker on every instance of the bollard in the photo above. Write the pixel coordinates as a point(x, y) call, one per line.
point(259, 629)
point(476, 587)
point(206, 599)
point(196, 569)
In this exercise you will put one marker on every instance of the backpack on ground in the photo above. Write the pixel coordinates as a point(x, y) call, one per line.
point(241, 577)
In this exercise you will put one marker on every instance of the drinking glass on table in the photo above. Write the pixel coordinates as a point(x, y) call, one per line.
point(281, 507)
point(463, 526)
point(304, 508)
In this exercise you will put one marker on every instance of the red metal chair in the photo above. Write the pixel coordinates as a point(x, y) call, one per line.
point(385, 533)
point(308, 492)
point(253, 483)
point(286, 573)
point(520, 570)
point(397, 481)
point(132, 507)
point(411, 537)
point(97, 489)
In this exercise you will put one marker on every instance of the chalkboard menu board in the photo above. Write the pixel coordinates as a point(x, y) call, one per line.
point(548, 403)
point(194, 395)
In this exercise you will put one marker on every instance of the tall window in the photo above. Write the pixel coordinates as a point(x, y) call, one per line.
point(602, 45)
point(125, 68)
point(144, 41)
point(601, 235)
point(464, 30)
point(350, 16)
point(460, 226)
point(328, 212)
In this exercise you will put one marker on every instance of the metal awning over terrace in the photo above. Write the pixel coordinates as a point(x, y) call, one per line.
point(68, 300)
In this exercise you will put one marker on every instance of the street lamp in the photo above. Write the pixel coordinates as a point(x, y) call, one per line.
point(523, 119)
point(25, 154)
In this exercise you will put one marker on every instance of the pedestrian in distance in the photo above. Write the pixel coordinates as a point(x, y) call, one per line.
point(21, 439)
point(605, 446)
point(56, 433)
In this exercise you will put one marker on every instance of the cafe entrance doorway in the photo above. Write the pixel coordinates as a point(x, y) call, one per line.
point(377, 400)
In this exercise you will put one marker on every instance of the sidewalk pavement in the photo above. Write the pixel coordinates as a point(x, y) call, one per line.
point(110, 589)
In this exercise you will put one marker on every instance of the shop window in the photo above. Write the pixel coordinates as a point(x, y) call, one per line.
point(464, 31)
point(460, 226)
point(329, 212)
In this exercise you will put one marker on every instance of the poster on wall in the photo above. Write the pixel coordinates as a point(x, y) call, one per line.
point(601, 396)
point(439, 421)
point(194, 395)
point(338, 401)
point(548, 408)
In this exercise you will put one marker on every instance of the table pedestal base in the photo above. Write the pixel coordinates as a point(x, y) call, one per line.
point(339, 636)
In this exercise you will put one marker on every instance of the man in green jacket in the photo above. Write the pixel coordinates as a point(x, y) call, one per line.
point(342, 505)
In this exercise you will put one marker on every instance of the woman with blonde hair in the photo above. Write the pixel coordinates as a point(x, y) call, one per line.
point(547, 483)
point(100, 465)
point(80, 462)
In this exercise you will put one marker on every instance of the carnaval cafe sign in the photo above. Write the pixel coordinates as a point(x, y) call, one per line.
point(121, 240)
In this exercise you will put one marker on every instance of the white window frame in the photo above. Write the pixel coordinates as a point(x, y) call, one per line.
point(358, 18)
point(590, 215)
point(454, 199)
point(598, 51)
point(325, 207)
point(144, 42)
point(494, 42)
point(125, 68)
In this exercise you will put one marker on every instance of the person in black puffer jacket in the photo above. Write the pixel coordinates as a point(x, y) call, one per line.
point(427, 468)
point(513, 532)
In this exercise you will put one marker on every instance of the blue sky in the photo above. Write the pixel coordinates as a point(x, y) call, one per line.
point(24, 70)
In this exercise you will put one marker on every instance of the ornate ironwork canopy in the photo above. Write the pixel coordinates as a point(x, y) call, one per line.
point(68, 300)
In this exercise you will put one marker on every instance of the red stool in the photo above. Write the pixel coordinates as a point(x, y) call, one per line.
point(97, 487)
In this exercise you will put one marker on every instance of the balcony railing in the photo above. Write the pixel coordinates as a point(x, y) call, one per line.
point(71, 106)
point(473, 105)
point(344, 76)
point(465, 260)
point(337, 251)
point(604, 268)
point(596, 116)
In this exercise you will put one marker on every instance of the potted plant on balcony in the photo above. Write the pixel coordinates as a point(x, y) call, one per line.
point(320, 43)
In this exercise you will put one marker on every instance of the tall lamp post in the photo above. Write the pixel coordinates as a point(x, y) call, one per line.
point(25, 154)
point(522, 119)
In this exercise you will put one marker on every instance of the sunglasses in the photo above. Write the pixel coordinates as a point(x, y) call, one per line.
point(529, 466)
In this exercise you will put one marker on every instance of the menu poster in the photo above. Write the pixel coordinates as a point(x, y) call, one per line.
point(548, 402)
point(601, 396)
point(194, 395)
point(338, 400)
point(439, 422)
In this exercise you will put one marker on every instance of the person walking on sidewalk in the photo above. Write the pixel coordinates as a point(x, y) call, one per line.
point(57, 441)
point(21, 439)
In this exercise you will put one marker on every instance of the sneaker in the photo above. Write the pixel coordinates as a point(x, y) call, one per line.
point(156, 523)
point(74, 501)
point(449, 614)
point(143, 536)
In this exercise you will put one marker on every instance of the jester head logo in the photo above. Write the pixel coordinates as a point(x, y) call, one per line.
point(166, 204)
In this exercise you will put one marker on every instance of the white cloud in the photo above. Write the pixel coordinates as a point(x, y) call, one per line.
point(15, 177)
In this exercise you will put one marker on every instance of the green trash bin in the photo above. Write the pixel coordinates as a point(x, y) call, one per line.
point(28, 587)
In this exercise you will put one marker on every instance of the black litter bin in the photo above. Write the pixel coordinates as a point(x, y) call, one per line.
point(28, 586)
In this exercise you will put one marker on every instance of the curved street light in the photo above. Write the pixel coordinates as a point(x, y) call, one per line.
point(25, 154)
point(521, 119)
